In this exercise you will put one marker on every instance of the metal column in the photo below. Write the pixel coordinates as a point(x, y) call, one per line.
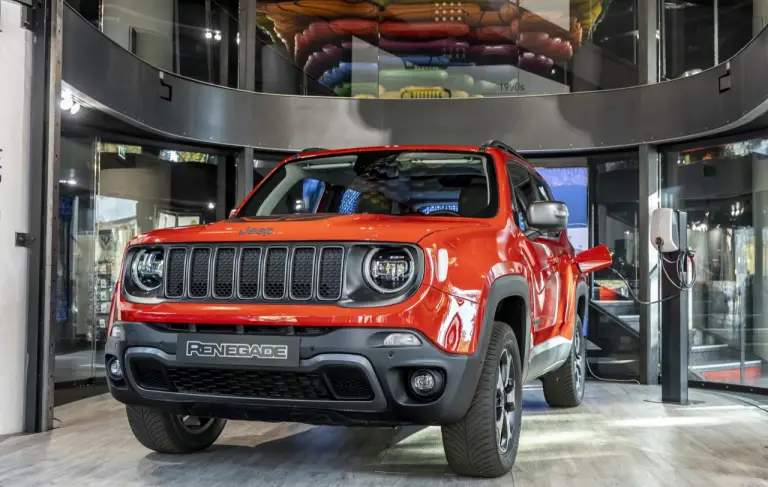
point(248, 46)
point(648, 166)
point(244, 175)
point(648, 52)
point(45, 21)
point(248, 50)
point(648, 287)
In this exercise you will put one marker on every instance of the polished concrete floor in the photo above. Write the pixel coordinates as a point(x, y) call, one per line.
point(620, 436)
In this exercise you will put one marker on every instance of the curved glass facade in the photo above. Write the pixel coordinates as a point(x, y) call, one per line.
point(425, 49)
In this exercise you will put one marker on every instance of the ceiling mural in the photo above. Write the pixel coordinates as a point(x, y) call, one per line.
point(438, 49)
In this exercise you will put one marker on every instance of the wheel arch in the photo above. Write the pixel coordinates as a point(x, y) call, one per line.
point(508, 302)
point(582, 301)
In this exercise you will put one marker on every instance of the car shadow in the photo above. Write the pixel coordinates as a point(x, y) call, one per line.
point(294, 454)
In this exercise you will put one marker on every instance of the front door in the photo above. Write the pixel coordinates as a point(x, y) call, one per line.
point(543, 256)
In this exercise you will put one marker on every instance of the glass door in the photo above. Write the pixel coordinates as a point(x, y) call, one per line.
point(724, 190)
point(602, 197)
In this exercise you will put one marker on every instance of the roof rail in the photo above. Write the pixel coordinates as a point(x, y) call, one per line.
point(308, 150)
point(312, 149)
point(497, 144)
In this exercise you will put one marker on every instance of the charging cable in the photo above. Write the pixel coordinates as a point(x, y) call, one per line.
point(685, 267)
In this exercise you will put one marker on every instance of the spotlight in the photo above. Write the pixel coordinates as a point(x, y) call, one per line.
point(75, 108)
point(208, 34)
point(217, 36)
point(211, 206)
point(66, 102)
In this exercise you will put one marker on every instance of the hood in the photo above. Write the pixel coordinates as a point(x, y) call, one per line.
point(363, 227)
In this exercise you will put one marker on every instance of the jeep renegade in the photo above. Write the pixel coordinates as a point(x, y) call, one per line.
point(383, 286)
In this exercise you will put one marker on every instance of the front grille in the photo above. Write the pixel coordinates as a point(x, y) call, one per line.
point(249, 383)
point(349, 383)
point(278, 272)
point(176, 273)
point(199, 269)
point(332, 383)
point(150, 374)
point(224, 272)
point(275, 272)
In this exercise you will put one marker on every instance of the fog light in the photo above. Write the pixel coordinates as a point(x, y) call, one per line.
point(114, 369)
point(402, 340)
point(426, 384)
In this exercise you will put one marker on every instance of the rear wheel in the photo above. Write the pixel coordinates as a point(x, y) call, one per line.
point(564, 387)
point(484, 442)
point(172, 433)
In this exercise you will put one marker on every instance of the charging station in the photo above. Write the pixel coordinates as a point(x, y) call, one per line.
point(670, 236)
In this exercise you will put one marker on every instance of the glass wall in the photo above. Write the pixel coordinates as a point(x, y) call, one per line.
point(109, 193)
point(194, 38)
point(699, 35)
point(724, 190)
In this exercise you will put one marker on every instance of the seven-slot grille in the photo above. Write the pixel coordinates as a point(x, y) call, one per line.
point(276, 272)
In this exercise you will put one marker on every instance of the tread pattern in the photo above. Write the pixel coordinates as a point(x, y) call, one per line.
point(470, 444)
point(560, 386)
point(159, 431)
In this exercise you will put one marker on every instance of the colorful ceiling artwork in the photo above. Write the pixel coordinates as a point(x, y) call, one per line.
point(420, 49)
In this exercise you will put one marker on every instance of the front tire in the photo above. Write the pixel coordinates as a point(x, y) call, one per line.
point(564, 388)
point(171, 433)
point(484, 442)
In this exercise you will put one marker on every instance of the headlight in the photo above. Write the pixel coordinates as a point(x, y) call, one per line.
point(389, 270)
point(147, 269)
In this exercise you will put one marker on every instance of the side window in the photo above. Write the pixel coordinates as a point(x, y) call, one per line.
point(542, 190)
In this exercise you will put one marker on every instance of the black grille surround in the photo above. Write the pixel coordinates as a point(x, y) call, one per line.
point(329, 383)
point(301, 272)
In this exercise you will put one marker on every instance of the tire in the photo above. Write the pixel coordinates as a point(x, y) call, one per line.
point(167, 433)
point(564, 387)
point(474, 447)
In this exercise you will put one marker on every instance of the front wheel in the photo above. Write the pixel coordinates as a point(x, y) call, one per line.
point(564, 388)
point(484, 442)
point(172, 433)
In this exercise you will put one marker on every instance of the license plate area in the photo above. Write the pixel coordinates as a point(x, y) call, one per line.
point(241, 350)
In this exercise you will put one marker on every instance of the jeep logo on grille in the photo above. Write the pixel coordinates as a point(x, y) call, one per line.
point(237, 350)
point(263, 231)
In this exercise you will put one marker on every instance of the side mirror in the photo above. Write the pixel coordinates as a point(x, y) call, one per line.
point(547, 216)
point(593, 259)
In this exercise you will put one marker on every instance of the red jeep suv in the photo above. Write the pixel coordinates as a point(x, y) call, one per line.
point(381, 286)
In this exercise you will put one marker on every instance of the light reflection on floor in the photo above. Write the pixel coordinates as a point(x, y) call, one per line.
point(620, 436)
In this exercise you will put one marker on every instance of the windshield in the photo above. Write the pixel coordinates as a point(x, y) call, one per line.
point(380, 182)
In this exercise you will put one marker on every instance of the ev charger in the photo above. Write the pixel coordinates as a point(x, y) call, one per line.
point(665, 231)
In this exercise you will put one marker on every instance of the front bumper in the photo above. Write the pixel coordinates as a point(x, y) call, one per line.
point(372, 387)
